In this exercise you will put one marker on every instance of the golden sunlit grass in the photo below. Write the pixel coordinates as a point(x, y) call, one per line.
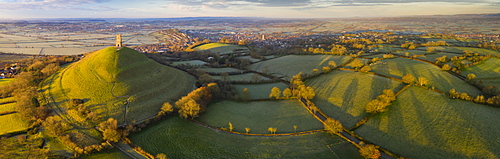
point(439, 79)
point(12, 123)
point(425, 124)
point(288, 66)
point(5, 100)
point(8, 107)
point(343, 94)
point(108, 78)
point(219, 48)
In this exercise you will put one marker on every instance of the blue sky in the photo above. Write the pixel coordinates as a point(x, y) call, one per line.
point(19, 9)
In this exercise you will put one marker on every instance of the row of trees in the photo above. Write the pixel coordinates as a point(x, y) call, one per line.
point(299, 89)
point(493, 101)
point(191, 105)
point(380, 104)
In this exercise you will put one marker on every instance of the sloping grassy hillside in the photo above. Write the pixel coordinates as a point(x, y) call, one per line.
point(488, 69)
point(123, 84)
point(426, 124)
point(441, 80)
point(343, 94)
point(219, 48)
point(12, 123)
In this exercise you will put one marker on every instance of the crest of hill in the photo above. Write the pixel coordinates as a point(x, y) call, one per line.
point(221, 48)
point(122, 84)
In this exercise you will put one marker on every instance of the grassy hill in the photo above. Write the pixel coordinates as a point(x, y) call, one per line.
point(441, 80)
point(123, 84)
point(425, 124)
point(219, 48)
point(344, 94)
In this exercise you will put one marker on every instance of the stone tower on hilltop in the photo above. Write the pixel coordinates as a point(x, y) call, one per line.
point(119, 42)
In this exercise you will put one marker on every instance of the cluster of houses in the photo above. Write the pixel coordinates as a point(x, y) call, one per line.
point(9, 72)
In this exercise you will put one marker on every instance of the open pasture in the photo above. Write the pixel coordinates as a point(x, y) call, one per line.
point(343, 95)
point(259, 91)
point(192, 63)
point(12, 58)
point(432, 57)
point(387, 48)
point(287, 66)
point(259, 116)
point(439, 79)
point(426, 124)
point(247, 77)
point(108, 154)
point(221, 70)
point(411, 52)
point(178, 138)
point(250, 58)
point(461, 49)
point(70, 50)
point(487, 69)
point(12, 123)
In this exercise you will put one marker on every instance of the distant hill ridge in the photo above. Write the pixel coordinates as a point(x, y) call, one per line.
point(123, 84)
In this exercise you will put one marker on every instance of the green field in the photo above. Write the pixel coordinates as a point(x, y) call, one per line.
point(220, 70)
point(461, 49)
point(287, 66)
point(12, 123)
point(220, 48)
point(12, 58)
point(411, 52)
point(247, 77)
point(250, 58)
point(108, 78)
point(108, 154)
point(439, 79)
point(192, 63)
point(178, 138)
point(343, 95)
point(432, 57)
point(258, 116)
point(487, 72)
point(8, 107)
point(488, 69)
point(425, 124)
point(259, 91)
point(387, 48)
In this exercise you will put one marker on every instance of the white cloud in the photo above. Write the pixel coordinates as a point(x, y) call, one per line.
point(47, 4)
